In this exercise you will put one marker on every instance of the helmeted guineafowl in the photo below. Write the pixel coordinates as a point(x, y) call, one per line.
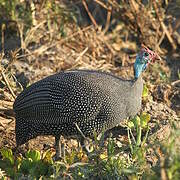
point(92, 100)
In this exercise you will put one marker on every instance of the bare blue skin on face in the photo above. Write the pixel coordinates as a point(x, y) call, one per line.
point(142, 60)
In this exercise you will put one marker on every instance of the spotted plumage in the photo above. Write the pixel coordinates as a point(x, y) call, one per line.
point(93, 100)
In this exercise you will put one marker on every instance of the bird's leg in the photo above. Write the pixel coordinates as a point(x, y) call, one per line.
point(63, 152)
point(60, 150)
point(57, 147)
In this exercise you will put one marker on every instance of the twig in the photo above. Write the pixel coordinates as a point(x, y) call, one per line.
point(101, 38)
point(80, 131)
point(103, 5)
point(29, 35)
point(108, 19)
point(163, 26)
point(13, 58)
point(58, 42)
point(161, 39)
point(8, 85)
point(1, 69)
point(33, 13)
point(168, 35)
point(113, 3)
point(175, 82)
point(15, 79)
point(1, 124)
point(21, 29)
point(2, 43)
point(77, 164)
point(2, 36)
point(65, 39)
point(89, 14)
point(81, 54)
point(85, 138)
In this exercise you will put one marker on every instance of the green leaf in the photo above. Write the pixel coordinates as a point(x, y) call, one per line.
point(145, 91)
point(139, 134)
point(144, 119)
point(130, 142)
point(130, 124)
point(47, 156)
point(7, 154)
point(26, 165)
point(39, 169)
point(34, 155)
point(110, 147)
point(137, 121)
point(71, 157)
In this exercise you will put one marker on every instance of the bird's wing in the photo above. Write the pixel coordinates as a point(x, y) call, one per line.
point(57, 97)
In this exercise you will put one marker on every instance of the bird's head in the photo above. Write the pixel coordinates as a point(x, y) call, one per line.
point(143, 58)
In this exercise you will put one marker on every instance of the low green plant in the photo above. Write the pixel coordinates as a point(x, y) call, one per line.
point(104, 162)
point(138, 129)
point(168, 165)
point(8, 163)
point(33, 164)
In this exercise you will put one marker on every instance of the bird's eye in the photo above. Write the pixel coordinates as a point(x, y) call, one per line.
point(146, 54)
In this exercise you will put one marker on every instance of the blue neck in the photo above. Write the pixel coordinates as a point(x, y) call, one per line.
point(139, 67)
